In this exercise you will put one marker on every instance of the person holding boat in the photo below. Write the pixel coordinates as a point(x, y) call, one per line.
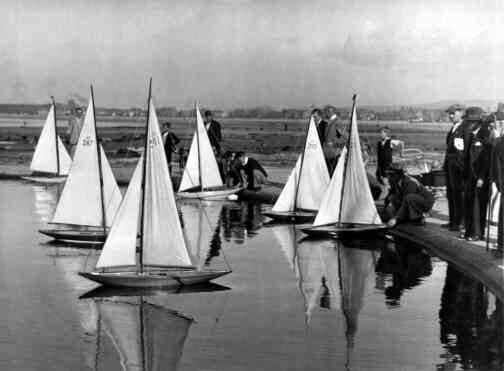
point(74, 128)
point(408, 199)
point(213, 128)
point(170, 143)
point(254, 172)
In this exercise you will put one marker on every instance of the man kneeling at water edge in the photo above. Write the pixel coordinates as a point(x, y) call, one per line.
point(408, 199)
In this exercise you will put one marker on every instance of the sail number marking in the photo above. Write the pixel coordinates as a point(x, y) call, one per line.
point(87, 141)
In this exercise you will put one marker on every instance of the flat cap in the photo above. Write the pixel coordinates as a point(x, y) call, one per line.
point(396, 168)
point(455, 107)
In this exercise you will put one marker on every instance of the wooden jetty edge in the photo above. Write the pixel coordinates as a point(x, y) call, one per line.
point(470, 258)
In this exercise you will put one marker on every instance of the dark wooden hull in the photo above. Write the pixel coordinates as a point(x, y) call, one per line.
point(343, 229)
point(292, 217)
point(76, 236)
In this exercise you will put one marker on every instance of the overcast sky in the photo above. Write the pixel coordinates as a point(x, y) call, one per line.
point(235, 53)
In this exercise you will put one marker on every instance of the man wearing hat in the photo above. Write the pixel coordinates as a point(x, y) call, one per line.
point(213, 128)
point(408, 199)
point(170, 143)
point(74, 128)
point(454, 166)
point(498, 178)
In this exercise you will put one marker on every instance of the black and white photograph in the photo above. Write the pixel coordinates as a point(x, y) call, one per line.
point(251, 185)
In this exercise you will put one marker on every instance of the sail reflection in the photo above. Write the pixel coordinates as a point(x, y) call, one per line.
point(330, 276)
point(201, 221)
point(145, 337)
point(45, 201)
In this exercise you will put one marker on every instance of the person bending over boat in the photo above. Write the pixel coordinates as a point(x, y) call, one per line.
point(408, 199)
point(254, 172)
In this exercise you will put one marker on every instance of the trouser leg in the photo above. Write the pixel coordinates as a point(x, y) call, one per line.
point(500, 229)
point(455, 193)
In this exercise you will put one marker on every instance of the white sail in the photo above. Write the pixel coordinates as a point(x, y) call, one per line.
point(163, 240)
point(329, 208)
point(358, 205)
point(120, 247)
point(45, 156)
point(310, 182)
point(80, 202)
point(202, 159)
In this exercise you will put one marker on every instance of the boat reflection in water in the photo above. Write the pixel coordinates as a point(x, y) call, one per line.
point(330, 276)
point(45, 201)
point(333, 276)
point(139, 335)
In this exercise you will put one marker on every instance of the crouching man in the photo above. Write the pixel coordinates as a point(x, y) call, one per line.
point(408, 199)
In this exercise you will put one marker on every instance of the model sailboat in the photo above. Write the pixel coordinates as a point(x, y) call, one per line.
point(201, 178)
point(50, 162)
point(347, 205)
point(149, 210)
point(91, 197)
point(302, 194)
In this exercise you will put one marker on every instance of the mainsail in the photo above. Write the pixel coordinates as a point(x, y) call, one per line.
point(162, 239)
point(349, 188)
point(201, 166)
point(45, 157)
point(81, 200)
point(308, 180)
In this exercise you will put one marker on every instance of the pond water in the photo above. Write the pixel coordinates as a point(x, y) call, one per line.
point(287, 305)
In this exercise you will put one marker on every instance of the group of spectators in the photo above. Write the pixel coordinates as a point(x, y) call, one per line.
point(474, 160)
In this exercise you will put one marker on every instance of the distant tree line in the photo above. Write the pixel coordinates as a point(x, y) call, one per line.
point(406, 113)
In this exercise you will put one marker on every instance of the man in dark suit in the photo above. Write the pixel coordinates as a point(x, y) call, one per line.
point(408, 199)
point(253, 170)
point(170, 143)
point(477, 175)
point(321, 125)
point(498, 178)
point(214, 131)
point(454, 166)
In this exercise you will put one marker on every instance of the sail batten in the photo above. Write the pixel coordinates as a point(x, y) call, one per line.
point(350, 182)
point(201, 167)
point(45, 156)
point(308, 180)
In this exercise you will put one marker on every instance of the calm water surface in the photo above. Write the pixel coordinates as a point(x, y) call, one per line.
point(288, 305)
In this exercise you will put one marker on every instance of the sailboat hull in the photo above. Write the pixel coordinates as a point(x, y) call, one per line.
point(161, 278)
point(291, 216)
point(337, 229)
point(45, 179)
point(210, 194)
point(76, 236)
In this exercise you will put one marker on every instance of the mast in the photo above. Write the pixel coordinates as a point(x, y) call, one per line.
point(144, 169)
point(301, 165)
point(100, 172)
point(56, 137)
point(198, 145)
point(354, 98)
